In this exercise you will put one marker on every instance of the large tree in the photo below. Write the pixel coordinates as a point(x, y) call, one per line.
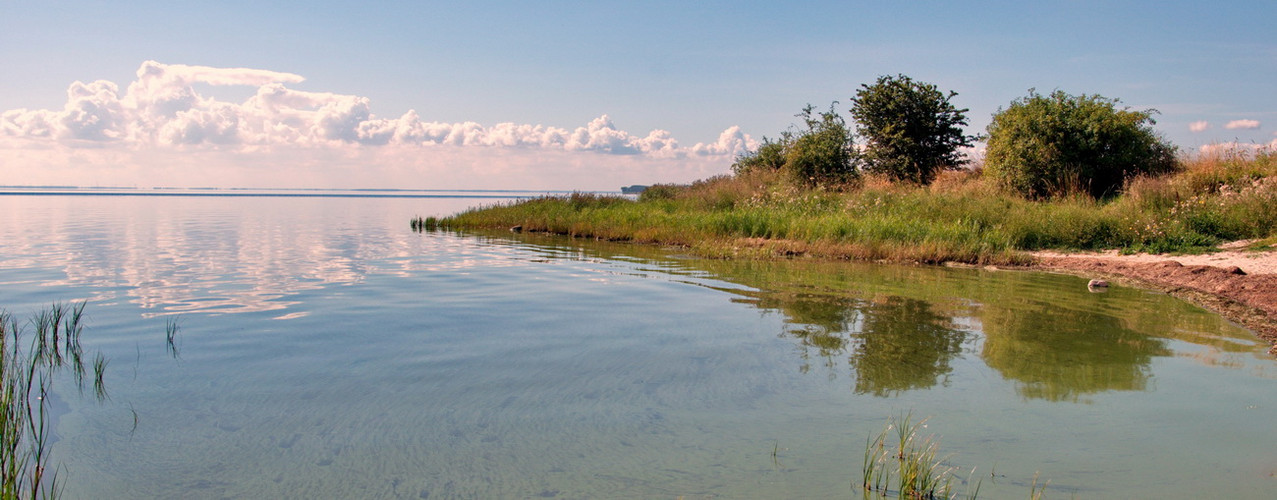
point(911, 129)
point(1048, 145)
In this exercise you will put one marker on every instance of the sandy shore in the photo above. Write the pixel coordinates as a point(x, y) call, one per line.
point(1239, 284)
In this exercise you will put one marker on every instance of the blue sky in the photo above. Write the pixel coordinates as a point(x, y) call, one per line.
point(596, 78)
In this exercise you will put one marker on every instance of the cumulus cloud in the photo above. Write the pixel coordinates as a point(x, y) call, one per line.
point(1242, 124)
point(1199, 126)
point(162, 108)
point(1235, 147)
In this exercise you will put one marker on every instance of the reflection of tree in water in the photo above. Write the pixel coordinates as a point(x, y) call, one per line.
point(823, 321)
point(895, 344)
point(1058, 353)
point(903, 345)
point(1056, 340)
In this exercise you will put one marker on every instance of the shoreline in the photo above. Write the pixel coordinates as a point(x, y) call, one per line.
point(1239, 285)
point(1235, 282)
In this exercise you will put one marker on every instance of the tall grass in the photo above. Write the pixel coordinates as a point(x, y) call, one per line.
point(910, 466)
point(28, 369)
point(960, 217)
point(919, 471)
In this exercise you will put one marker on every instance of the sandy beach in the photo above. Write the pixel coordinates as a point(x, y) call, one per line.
point(1237, 283)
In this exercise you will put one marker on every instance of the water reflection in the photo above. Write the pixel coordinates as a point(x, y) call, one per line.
point(891, 343)
point(903, 345)
point(892, 329)
point(885, 329)
point(212, 254)
point(1058, 354)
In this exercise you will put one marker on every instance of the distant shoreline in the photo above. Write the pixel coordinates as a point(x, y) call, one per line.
point(232, 194)
point(515, 194)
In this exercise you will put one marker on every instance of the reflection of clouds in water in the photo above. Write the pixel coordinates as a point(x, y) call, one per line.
point(223, 255)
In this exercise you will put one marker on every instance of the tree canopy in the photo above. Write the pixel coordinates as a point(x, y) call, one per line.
point(911, 129)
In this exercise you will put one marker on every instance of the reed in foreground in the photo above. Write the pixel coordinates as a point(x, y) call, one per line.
point(913, 469)
point(910, 466)
point(27, 375)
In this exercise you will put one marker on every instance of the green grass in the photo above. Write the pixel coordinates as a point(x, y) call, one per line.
point(912, 469)
point(961, 217)
point(28, 369)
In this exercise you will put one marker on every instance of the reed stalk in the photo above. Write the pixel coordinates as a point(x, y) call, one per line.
point(171, 328)
point(914, 469)
point(27, 375)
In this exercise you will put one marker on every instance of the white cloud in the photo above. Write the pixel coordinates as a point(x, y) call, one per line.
point(731, 142)
point(162, 131)
point(1242, 124)
point(1234, 147)
point(163, 109)
point(1198, 126)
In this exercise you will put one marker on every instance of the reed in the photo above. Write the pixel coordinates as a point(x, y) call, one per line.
point(919, 471)
point(1035, 492)
point(422, 224)
point(914, 468)
point(27, 375)
point(171, 328)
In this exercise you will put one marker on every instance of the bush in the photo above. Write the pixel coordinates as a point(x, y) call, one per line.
point(661, 192)
point(770, 156)
point(1045, 146)
point(911, 129)
point(823, 154)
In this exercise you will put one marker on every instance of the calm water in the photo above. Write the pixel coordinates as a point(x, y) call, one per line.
point(326, 351)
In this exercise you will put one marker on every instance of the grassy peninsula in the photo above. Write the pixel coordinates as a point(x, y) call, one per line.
point(962, 216)
point(1061, 171)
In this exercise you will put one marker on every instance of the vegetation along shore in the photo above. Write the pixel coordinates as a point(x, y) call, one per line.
point(1061, 173)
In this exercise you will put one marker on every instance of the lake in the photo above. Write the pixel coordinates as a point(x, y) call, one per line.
point(325, 350)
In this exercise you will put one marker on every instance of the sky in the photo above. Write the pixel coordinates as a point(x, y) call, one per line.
point(567, 95)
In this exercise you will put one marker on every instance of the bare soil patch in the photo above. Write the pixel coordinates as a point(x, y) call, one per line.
point(1239, 284)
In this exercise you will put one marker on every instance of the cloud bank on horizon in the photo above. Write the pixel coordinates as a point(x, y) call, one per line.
point(162, 114)
point(163, 129)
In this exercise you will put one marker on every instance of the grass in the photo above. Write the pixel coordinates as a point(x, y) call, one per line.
point(421, 224)
point(171, 328)
point(27, 373)
point(919, 471)
point(961, 217)
point(913, 468)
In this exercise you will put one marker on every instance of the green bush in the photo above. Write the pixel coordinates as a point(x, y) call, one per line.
point(661, 192)
point(823, 154)
point(1045, 146)
point(911, 129)
point(770, 156)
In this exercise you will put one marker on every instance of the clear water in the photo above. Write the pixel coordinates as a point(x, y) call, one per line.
point(326, 351)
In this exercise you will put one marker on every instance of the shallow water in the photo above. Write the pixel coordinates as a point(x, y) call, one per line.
point(325, 350)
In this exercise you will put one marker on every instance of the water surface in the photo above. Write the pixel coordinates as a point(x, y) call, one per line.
point(326, 350)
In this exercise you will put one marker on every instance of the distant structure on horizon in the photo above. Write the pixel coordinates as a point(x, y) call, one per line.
point(635, 189)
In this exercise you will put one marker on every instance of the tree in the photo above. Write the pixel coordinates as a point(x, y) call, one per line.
point(821, 154)
point(1044, 146)
point(911, 128)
